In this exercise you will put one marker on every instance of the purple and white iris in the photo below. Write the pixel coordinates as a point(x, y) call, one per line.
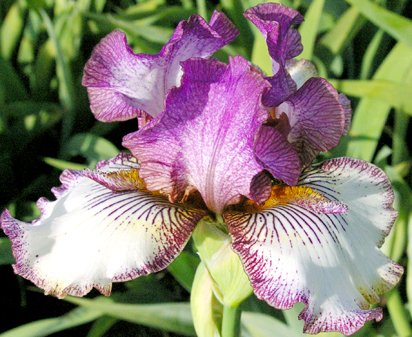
point(220, 139)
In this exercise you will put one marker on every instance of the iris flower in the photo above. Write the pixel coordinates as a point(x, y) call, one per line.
point(226, 142)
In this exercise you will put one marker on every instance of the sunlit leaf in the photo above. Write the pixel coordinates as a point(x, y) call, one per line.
point(394, 24)
point(174, 317)
point(309, 28)
point(12, 28)
point(398, 95)
point(371, 114)
point(260, 325)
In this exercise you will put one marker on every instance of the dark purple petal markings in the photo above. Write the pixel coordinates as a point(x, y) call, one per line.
point(325, 257)
point(92, 236)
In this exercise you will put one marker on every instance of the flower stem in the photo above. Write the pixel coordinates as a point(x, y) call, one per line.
point(398, 314)
point(231, 321)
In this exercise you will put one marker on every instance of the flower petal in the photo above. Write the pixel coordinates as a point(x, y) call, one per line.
point(91, 236)
point(317, 118)
point(277, 155)
point(275, 23)
point(122, 85)
point(322, 256)
point(206, 134)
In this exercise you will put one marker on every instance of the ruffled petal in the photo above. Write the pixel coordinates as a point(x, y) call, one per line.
point(206, 134)
point(318, 242)
point(92, 236)
point(277, 155)
point(275, 22)
point(317, 118)
point(123, 85)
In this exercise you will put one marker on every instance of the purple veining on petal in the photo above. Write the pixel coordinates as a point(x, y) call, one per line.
point(260, 187)
point(275, 23)
point(124, 85)
point(316, 117)
point(327, 260)
point(277, 155)
point(91, 236)
point(206, 134)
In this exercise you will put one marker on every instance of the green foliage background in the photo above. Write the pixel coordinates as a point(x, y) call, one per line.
point(364, 47)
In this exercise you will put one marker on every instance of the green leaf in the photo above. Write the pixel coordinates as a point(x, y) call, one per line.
point(10, 83)
point(183, 269)
point(397, 95)
point(344, 30)
point(365, 131)
point(309, 28)
point(91, 147)
point(101, 326)
point(12, 28)
point(260, 325)
point(6, 255)
point(63, 164)
point(134, 29)
point(260, 53)
point(48, 326)
point(64, 75)
point(394, 24)
point(173, 317)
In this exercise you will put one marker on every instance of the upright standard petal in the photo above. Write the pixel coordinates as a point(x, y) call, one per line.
point(275, 23)
point(205, 138)
point(318, 242)
point(123, 85)
point(318, 117)
point(92, 236)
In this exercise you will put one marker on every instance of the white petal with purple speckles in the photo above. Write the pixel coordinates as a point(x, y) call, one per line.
point(91, 236)
point(324, 255)
point(123, 85)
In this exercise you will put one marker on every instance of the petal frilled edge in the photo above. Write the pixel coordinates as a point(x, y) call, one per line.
point(328, 260)
point(206, 134)
point(318, 117)
point(91, 236)
point(123, 85)
point(275, 22)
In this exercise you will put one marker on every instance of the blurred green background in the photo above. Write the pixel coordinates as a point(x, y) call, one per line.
point(364, 47)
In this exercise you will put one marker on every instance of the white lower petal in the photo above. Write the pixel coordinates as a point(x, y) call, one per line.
point(91, 236)
point(328, 260)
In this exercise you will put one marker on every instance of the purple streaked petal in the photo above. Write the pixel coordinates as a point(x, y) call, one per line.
point(277, 155)
point(260, 187)
point(91, 236)
point(316, 117)
point(206, 134)
point(275, 23)
point(325, 257)
point(123, 85)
